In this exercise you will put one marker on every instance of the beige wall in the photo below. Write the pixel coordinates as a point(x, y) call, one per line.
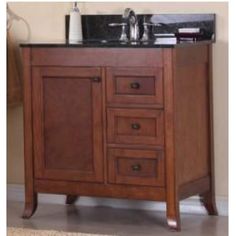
point(46, 21)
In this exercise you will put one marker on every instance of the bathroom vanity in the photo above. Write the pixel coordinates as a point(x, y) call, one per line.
point(122, 121)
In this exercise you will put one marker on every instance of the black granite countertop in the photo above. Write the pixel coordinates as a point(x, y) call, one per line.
point(98, 34)
point(115, 44)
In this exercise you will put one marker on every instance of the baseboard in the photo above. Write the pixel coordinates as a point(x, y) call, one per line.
point(191, 205)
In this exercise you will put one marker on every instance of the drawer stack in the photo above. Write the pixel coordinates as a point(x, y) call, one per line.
point(135, 126)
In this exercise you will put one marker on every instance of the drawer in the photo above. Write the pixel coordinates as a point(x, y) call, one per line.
point(135, 126)
point(102, 57)
point(137, 167)
point(134, 85)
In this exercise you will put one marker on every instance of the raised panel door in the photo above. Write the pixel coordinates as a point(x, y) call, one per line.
point(67, 123)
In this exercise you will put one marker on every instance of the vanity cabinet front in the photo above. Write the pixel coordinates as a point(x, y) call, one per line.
point(133, 123)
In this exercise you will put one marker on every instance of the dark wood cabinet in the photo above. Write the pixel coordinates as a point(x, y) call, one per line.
point(135, 123)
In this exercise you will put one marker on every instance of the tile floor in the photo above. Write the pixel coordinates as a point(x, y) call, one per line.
point(106, 220)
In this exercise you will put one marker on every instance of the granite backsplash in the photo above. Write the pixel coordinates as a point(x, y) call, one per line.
point(95, 27)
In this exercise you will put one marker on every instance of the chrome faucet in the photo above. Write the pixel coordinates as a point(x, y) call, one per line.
point(131, 18)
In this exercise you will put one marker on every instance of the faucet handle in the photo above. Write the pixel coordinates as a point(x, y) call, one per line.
point(145, 36)
point(117, 24)
point(123, 36)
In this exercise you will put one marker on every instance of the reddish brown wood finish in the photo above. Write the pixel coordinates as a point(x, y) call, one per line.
point(172, 199)
point(132, 105)
point(106, 57)
point(195, 187)
point(135, 126)
point(135, 146)
point(193, 124)
point(137, 167)
point(134, 85)
point(101, 190)
point(191, 55)
point(153, 142)
point(30, 193)
point(67, 100)
point(104, 117)
point(208, 198)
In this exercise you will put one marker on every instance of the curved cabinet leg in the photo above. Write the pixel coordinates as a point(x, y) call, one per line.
point(208, 201)
point(173, 216)
point(71, 199)
point(30, 194)
point(30, 206)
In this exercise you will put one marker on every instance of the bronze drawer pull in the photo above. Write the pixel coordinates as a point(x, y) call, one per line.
point(136, 167)
point(96, 79)
point(135, 85)
point(135, 126)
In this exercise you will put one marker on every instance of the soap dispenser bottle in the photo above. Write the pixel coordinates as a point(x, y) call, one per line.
point(75, 25)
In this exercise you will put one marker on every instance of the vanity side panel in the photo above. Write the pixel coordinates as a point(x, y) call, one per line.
point(191, 119)
point(30, 193)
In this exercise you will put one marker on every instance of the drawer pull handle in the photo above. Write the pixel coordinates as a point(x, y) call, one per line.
point(135, 126)
point(136, 167)
point(96, 79)
point(135, 85)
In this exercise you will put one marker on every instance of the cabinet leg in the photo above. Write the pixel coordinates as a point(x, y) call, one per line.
point(30, 206)
point(71, 199)
point(173, 217)
point(208, 201)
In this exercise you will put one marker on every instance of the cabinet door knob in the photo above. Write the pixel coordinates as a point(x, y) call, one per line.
point(96, 79)
point(135, 126)
point(135, 85)
point(136, 167)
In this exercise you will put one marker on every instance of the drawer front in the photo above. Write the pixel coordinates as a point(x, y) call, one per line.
point(135, 126)
point(135, 85)
point(137, 167)
point(88, 57)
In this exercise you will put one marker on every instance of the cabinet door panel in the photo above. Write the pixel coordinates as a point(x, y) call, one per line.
point(67, 107)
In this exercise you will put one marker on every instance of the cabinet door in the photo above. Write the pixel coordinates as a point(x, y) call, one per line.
point(67, 123)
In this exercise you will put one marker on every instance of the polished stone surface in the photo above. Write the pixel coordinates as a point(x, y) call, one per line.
point(98, 33)
point(122, 222)
point(97, 26)
point(114, 44)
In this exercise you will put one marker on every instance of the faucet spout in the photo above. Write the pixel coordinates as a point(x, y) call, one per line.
point(130, 15)
point(131, 18)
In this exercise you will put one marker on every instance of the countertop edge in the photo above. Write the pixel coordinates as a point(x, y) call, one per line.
point(65, 45)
